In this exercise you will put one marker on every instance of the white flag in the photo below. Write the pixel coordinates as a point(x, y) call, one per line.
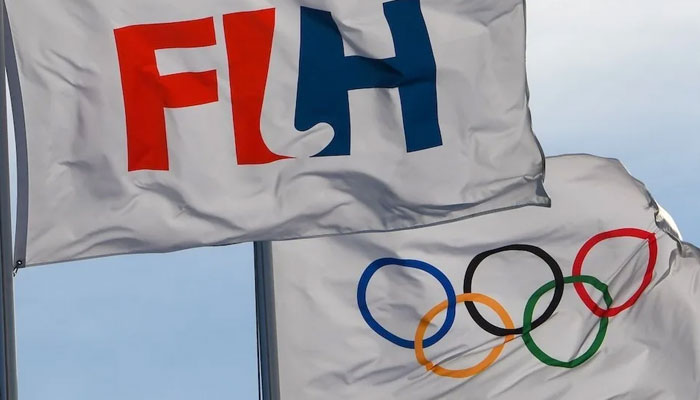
point(165, 124)
point(595, 298)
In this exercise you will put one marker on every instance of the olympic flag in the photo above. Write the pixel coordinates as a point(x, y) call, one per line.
point(165, 124)
point(595, 298)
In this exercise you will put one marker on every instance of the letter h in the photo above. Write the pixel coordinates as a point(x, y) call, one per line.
point(326, 75)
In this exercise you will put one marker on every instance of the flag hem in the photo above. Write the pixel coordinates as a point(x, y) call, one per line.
point(22, 167)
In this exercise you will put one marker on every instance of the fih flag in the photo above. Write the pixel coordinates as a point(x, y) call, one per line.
point(595, 298)
point(165, 124)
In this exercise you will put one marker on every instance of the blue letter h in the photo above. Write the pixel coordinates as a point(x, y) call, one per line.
point(326, 75)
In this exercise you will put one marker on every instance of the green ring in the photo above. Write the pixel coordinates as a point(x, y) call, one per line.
point(597, 342)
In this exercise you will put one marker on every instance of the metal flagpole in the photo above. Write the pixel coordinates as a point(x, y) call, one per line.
point(8, 390)
point(266, 330)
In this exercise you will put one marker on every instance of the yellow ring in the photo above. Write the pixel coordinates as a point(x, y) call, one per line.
point(471, 371)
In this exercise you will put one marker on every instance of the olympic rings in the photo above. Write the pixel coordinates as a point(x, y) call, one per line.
point(508, 332)
point(558, 288)
point(420, 265)
point(578, 265)
point(599, 337)
point(490, 358)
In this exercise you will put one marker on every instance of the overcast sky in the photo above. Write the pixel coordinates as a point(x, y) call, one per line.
point(614, 78)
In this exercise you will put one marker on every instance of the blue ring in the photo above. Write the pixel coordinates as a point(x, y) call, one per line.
point(423, 266)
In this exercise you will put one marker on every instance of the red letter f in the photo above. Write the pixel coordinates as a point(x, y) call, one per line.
point(147, 93)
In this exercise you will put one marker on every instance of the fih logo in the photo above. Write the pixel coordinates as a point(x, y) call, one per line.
point(326, 76)
point(508, 331)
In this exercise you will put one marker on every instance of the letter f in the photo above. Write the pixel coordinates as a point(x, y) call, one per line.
point(147, 93)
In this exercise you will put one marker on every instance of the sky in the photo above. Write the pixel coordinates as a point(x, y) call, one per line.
point(612, 78)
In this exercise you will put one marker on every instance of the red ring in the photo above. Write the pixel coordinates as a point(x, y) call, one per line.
point(578, 265)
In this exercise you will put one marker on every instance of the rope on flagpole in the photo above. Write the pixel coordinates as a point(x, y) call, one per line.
point(265, 322)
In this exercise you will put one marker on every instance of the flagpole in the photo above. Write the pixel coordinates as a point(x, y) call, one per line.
point(266, 326)
point(8, 391)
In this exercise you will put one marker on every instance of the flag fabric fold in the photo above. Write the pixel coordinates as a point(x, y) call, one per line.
point(594, 298)
point(162, 125)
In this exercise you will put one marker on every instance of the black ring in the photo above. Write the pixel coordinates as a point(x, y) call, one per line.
point(558, 288)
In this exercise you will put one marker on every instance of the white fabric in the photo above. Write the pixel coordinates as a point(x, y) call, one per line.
point(78, 199)
point(650, 351)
